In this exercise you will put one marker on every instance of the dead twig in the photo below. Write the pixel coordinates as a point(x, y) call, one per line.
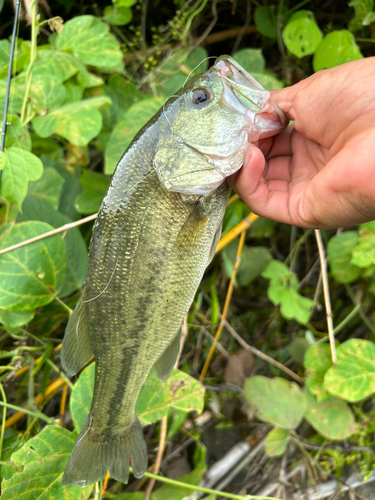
point(261, 354)
point(164, 421)
point(58, 230)
point(226, 305)
point(327, 300)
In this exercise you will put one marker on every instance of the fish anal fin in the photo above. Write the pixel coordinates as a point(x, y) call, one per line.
point(97, 452)
point(76, 350)
point(164, 365)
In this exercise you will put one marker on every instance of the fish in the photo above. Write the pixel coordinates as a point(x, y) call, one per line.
point(154, 236)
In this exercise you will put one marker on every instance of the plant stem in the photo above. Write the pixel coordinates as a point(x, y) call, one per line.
point(365, 40)
point(36, 413)
point(3, 395)
point(29, 72)
point(205, 490)
point(298, 6)
point(355, 301)
point(67, 308)
point(348, 318)
point(62, 375)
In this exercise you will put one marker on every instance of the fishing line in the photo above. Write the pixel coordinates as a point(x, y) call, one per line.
point(80, 439)
point(101, 293)
point(9, 78)
point(164, 112)
point(79, 319)
point(192, 71)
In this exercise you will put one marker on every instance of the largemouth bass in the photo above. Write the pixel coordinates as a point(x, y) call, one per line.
point(154, 236)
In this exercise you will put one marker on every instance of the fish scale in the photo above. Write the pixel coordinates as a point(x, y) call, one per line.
point(151, 243)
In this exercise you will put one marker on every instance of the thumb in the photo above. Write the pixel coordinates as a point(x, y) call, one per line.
point(247, 180)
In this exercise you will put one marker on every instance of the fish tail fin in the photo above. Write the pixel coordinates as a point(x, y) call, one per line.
point(95, 453)
point(76, 350)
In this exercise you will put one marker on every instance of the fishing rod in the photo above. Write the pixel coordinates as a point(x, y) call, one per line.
point(9, 78)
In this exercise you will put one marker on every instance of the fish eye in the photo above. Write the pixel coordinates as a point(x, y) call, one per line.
point(200, 96)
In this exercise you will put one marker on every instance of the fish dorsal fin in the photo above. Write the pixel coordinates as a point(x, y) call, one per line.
point(76, 350)
point(164, 365)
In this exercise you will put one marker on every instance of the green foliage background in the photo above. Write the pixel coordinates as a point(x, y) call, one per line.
point(85, 80)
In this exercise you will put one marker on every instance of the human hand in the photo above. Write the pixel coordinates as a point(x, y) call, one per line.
point(319, 172)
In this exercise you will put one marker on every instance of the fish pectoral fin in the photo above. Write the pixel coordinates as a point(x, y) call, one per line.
point(76, 350)
point(164, 365)
point(215, 241)
point(97, 452)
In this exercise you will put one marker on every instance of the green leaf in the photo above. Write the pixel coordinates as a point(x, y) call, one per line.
point(13, 319)
point(283, 291)
point(78, 122)
point(48, 187)
point(276, 401)
point(353, 379)
point(297, 349)
point(294, 306)
point(43, 148)
point(88, 38)
point(363, 254)
point(174, 71)
point(268, 81)
point(17, 93)
point(262, 228)
point(30, 275)
point(362, 15)
point(123, 95)
point(317, 361)
point(339, 251)
point(154, 401)
point(95, 186)
point(17, 134)
point(40, 465)
point(338, 47)
point(70, 190)
point(265, 21)
point(276, 442)
point(175, 420)
point(124, 3)
point(46, 93)
point(21, 166)
point(252, 60)
point(134, 119)
point(87, 79)
point(302, 35)
point(276, 269)
point(196, 62)
point(60, 65)
point(3, 160)
point(74, 92)
point(119, 16)
point(174, 492)
point(35, 208)
point(253, 261)
point(180, 391)
point(20, 59)
point(332, 418)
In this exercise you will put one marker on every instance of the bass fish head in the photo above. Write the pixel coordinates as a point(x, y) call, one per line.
point(204, 130)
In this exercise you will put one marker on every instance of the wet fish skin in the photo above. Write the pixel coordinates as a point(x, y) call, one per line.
point(149, 250)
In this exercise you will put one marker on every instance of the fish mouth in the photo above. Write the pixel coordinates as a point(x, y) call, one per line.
point(243, 94)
